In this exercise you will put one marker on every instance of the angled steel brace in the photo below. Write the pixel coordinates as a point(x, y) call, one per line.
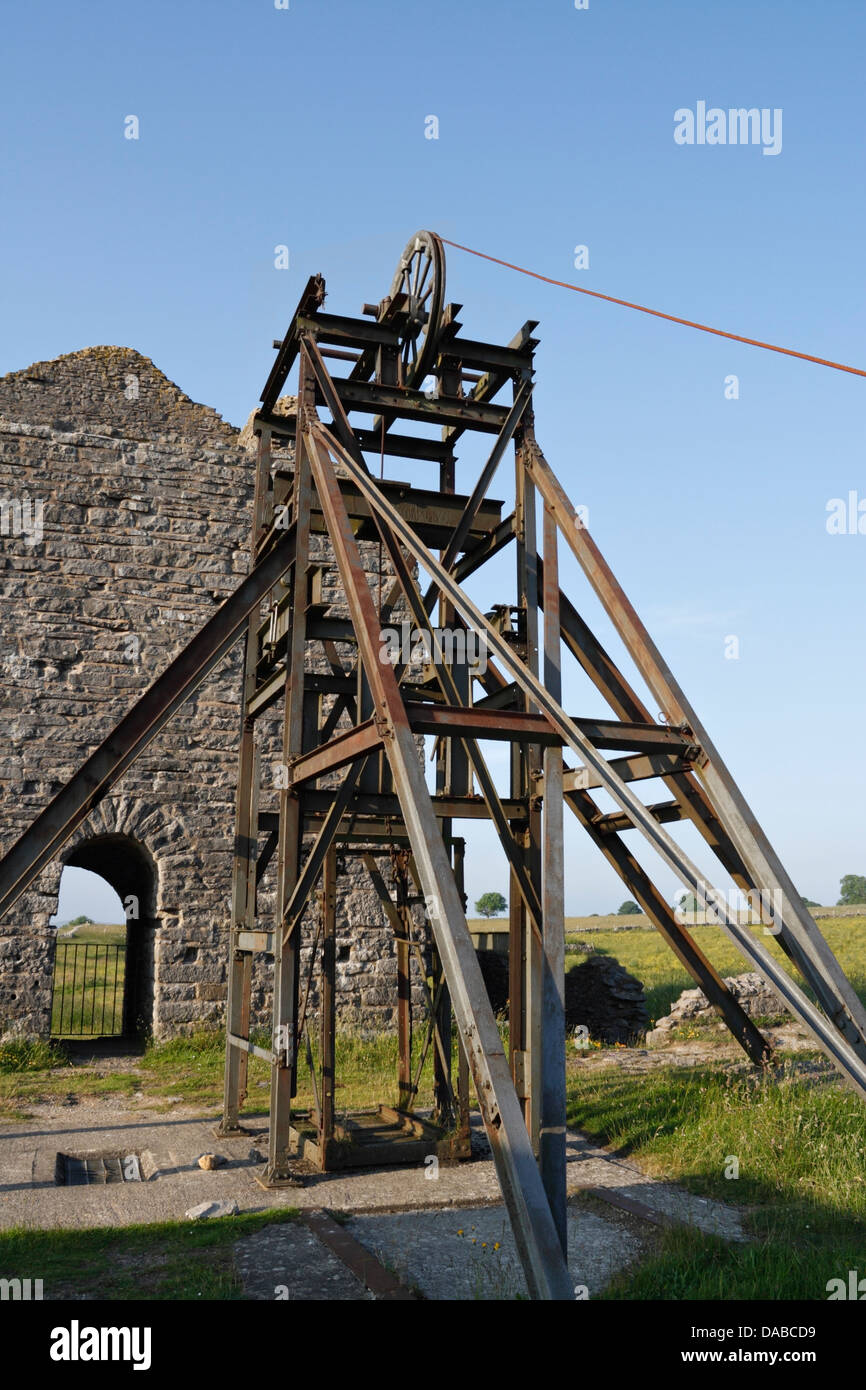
point(420, 609)
point(692, 799)
point(689, 954)
point(479, 492)
point(535, 1234)
point(807, 946)
point(315, 862)
point(431, 999)
point(132, 734)
point(832, 1041)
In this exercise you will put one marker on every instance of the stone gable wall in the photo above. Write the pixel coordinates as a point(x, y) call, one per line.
point(125, 511)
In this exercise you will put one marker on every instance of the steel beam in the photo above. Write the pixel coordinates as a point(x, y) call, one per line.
point(553, 1106)
point(403, 403)
point(535, 1233)
point(129, 738)
point(290, 832)
point(526, 971)
point(419, 609)
point(328, 1020)
point(833, 1042)
point(807, 945)
point(687, 952)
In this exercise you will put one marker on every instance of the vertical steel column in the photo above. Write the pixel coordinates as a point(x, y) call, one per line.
point(442, 1089)
point(537, 1241)
point(403, 921)
point(452, 778)
point(553, 1107)
point(240, 962)
point(243, 905)
point(529, 948)
point(463, 1127)
point(252, 800)
point(287, 954)
point(329, 989)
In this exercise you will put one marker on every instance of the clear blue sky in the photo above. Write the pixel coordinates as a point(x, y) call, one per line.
point(305, 126)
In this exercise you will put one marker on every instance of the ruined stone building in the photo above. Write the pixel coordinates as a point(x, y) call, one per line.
point(126, 513)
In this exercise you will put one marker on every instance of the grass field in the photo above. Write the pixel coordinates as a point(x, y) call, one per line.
point(190, 1070)
point(801, 1153)
point(640, 949)
point(800, 1146)
point(646, 955)
point(187, 1260)
point(94, 932)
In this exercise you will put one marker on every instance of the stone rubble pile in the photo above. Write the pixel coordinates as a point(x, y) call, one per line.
point(752, 992)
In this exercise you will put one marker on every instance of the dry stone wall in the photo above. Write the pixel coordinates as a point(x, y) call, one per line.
point(124, 521)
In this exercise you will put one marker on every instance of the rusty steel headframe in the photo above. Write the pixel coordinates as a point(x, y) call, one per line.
point(361, 720)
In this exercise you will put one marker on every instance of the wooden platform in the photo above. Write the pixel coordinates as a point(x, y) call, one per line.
point(376, 1138)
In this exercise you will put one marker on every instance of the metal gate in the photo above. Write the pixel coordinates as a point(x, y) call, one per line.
point(88, 990)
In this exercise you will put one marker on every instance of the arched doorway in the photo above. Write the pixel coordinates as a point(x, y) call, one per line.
point(104, 972)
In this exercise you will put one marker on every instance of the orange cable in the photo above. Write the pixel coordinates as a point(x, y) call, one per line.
point(657, 313)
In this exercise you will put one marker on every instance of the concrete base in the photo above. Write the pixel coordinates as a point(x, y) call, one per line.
point(169, 1146)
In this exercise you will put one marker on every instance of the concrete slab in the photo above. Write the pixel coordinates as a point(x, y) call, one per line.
point(469, 1253)
point(592, 1166)
point(288, 1263)
point(169, 1147)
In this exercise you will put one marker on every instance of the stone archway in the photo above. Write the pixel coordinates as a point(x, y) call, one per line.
point(129, 869)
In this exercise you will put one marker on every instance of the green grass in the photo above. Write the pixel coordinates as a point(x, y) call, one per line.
point(191, 1070)
point(20, 1055)
point(801, 1148)
point(646, 955)
point(609, 919)
point(689, 1265)
point(19, 1091)
point(801, 1144)
point(167, 1261)
point(101, 933)
point(33, 1072)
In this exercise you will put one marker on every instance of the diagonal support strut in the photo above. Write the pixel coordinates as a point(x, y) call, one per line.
point(534, 1230)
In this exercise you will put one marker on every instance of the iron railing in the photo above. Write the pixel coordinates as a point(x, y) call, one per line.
point(88, 990)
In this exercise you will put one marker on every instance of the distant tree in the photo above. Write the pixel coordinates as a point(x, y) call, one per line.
point(853, 888)
point(810, 902)
point(627, 909)
point(81, 921)
point(491, 904)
